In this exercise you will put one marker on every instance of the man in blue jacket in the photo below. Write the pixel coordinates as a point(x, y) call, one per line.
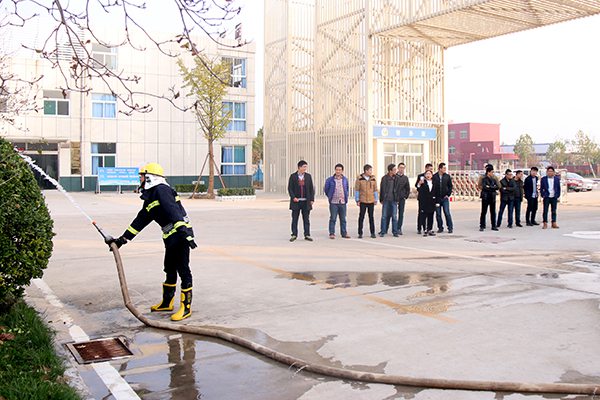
point(336, 189)
point(550, 191)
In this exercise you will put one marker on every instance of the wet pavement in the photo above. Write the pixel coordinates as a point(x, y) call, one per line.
point(517, 305)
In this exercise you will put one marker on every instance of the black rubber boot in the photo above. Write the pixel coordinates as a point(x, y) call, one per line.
point(186, 306)
point(167, 300)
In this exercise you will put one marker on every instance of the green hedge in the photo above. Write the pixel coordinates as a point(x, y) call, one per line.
point(189, 188)
point(25, 226)
point(246, 191)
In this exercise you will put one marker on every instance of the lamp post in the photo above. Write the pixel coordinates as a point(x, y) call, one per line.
point(471, 161)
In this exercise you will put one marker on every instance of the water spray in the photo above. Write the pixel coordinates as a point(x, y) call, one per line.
point(335, 372)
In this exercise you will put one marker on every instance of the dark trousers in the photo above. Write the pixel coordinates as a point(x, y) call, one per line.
point(370, 208)
point(532, 206)
point(551, 202)
point(177, 261)
point(401, 205)
point(426, 220)
point(303, 208)
point(518, 211)
point(485, 204)
point(511, 206)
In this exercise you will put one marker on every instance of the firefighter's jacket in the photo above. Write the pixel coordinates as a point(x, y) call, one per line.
point(162, 204)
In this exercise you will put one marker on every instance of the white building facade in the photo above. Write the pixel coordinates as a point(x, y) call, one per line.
point(74, 133)
point(362, 81)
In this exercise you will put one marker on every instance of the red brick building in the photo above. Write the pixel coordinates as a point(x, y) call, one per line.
point(473, 145)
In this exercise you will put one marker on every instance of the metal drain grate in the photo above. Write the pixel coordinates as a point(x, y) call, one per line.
point(99, 350)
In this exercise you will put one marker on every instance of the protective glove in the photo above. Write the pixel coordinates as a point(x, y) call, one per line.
point(120, 241)
point(192, 244)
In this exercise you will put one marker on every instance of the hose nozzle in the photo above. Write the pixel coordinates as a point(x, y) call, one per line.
point(107, 237)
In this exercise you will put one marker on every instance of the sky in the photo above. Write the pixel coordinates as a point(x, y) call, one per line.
point(544, 82)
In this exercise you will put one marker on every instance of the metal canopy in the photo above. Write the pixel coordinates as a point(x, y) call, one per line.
point(464, 23)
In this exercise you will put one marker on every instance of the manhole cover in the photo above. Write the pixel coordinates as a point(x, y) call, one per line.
point(489, 239)
point(99, 350)
point(450, 237)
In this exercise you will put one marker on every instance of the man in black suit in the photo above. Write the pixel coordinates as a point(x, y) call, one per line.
point(532, 195)
point(302, 196)
point(442, 187)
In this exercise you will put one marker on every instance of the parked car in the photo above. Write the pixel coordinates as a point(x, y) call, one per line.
point(587, 184)
point(574, 182)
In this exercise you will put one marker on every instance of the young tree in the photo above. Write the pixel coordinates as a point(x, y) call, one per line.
point(257, 147)
point(557, 153)
point(524, 148)
point(587, 149)
point(207, 86)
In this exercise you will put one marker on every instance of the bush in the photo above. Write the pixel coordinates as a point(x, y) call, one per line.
point(189, 188)
point(245, 191)
point(25, 226)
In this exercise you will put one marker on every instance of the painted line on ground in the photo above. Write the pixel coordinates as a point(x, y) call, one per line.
point(476, 258)
point(115, 383)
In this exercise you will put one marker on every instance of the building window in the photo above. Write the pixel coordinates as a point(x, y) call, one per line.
point(463, 134)
point(451, 150)
point(103, 155)
point(237, 71)
point(233, 160)
point(104, 56)
point(238, 115)
point(104, 105)
point(411, 154)
point(451, 134)
point(55, 103)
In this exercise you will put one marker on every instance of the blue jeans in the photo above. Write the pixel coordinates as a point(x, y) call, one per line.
point(552, 203)
point(401, 205)
point(390, 210)
point(334, 211)
point(511, 207)
point(445, 207)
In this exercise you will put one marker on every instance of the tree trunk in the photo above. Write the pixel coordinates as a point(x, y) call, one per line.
point(211, 171)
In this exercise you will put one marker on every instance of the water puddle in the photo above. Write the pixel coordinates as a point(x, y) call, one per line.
point(334, 279)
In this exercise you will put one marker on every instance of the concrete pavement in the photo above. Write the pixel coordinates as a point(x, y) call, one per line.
point(520, 304)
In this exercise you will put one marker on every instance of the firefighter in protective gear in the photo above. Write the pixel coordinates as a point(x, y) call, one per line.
point(162, 204)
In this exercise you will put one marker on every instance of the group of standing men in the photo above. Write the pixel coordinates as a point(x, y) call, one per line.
point(512, 190)
point(434, 192)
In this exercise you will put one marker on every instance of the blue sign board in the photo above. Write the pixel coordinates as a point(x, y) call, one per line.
point(403, 132)
point(118, 176)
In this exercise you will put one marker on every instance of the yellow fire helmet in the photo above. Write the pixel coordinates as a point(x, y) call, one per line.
point(152, 168)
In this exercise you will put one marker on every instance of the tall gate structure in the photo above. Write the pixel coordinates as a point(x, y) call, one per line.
point(362, 81)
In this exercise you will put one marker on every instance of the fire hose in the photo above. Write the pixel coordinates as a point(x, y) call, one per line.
point(342, 373)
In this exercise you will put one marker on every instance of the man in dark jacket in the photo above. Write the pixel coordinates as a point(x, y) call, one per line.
point(532, 195)
point(418, 183)
point(388, 192)
point(489, 190)
point(518, 198)
point(508, 189)
point(403, 193)
point(442, 187)
point(302, 196)
point(550, 191)
point(162, 205)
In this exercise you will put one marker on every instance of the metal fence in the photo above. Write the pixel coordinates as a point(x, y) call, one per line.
point(464, 185)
